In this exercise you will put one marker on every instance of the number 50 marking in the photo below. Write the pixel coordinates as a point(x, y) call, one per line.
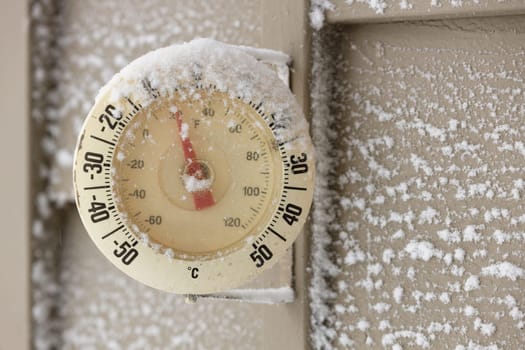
point(261, 255)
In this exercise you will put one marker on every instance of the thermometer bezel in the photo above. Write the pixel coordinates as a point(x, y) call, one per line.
point(92, 174)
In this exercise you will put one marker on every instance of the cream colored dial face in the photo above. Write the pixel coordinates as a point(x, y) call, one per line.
point(193, 177)
point(190, 190)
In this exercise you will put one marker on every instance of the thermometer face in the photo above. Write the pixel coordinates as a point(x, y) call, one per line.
point(191, 188)
point(197, 176)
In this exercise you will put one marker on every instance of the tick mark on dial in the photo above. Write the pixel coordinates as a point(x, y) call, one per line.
point(276, 233)
point(102, 140)
point(295, 188)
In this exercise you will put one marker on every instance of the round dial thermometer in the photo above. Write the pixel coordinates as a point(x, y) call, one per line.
point(194, 170)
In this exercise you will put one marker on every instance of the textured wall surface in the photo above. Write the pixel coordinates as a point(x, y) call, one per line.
point(427, 223)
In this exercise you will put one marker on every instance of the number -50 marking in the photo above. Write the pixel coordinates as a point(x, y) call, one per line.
point(126, 253)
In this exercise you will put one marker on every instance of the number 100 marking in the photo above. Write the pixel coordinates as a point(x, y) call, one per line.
point(251, 191)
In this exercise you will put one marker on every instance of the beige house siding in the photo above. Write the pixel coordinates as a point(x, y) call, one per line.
point(366, 11)
point(14, 187)
point(427, 235)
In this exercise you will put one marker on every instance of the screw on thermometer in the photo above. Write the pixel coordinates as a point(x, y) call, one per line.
point(188, 187)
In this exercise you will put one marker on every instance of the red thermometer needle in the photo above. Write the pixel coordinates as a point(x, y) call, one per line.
point(202, 199)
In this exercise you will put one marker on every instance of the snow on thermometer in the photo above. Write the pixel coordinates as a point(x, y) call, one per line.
point(194, 170)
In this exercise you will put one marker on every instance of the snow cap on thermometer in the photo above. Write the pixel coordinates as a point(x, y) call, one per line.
point(229, 68)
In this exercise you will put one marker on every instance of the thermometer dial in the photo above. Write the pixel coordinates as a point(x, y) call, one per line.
point(194, 170)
